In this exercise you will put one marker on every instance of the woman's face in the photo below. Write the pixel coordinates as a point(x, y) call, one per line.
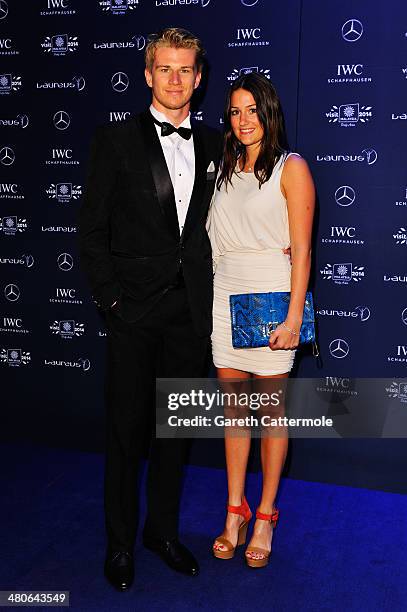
point(243, 118)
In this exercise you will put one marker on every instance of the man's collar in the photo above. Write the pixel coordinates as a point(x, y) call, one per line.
point(161, 117)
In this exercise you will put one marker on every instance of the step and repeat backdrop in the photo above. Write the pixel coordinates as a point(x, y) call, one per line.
point(69, 65)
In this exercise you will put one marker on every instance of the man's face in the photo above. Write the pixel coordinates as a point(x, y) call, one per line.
point(173, 77)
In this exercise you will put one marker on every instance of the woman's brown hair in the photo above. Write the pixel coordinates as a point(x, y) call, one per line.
point(274, 143)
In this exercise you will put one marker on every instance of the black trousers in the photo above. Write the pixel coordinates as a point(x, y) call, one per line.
point(162, 344)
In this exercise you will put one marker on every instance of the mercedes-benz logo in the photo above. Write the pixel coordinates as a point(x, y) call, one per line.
point(352, 30)
point(120, 81)
point(404, 316)
point(249, 2)
point(3, 9)
point(65, 262)
point(205, 3)
point(345, 195)
point(371, 156)
point(11, 292)
point(61, 120)
point(7, 156)
point(364, 312)
point(339, 348)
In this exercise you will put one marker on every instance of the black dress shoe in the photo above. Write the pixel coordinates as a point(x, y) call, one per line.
point(119, 570)
point(175, 555)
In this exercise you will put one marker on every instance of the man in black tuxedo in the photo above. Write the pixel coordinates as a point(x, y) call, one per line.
point(146, 253)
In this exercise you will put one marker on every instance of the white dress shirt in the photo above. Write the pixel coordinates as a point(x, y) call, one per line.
point(180, 157)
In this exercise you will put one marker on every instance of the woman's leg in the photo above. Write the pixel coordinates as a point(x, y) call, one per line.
point(273, 455)
point(237, 447)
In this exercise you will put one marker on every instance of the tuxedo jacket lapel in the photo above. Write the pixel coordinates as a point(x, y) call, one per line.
point(199, 183)
point(159, 170)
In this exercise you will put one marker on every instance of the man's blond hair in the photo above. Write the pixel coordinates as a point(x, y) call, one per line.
point(177, 38)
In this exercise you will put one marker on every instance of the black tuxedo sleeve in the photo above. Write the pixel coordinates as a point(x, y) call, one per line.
point(94, 220)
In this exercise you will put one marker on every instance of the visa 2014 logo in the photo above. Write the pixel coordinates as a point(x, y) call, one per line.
point(118, 7)
point(60, 44)
point(64, 192)
point(398, 390)
point(400, 236)
point(10, 226)
point(343, 273)
point(14, 357)
point(67, 329)
point(9, 83)
point(236, 73)
point(348, 115)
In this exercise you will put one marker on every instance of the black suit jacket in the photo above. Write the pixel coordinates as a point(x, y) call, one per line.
point(130, 246)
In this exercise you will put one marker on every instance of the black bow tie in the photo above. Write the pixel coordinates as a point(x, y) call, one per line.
point(167, 129)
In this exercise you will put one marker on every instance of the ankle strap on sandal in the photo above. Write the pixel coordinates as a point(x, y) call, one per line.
point(243, 509)
point(272, 518)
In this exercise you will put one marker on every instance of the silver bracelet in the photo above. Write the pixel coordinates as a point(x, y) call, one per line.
point(290, 330)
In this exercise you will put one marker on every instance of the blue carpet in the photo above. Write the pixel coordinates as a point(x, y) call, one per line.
point(335, 548)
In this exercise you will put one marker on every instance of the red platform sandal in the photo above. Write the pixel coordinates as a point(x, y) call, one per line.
point(245, 512)
point(263, 561)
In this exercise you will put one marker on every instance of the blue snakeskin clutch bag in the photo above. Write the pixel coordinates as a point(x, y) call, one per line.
point(255, 315)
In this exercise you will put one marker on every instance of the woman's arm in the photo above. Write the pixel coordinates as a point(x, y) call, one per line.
point(298, 188)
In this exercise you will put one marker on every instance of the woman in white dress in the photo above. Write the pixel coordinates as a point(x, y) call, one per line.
point(263, 204)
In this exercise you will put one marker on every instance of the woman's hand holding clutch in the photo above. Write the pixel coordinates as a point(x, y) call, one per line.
point(285, 337)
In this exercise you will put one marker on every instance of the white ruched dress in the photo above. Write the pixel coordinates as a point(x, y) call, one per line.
point(248, 229)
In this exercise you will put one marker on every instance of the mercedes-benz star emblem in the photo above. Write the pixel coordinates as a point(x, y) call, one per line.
point(65, 262)
point(61, 120)
point(12, 292)
point(404, 316)
point(345, 195)
point(352, 30)
point(205, 3)
point(339, 348)
point(7, 156)
point(249, 2)
point(3, 9)
point(120, 81)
